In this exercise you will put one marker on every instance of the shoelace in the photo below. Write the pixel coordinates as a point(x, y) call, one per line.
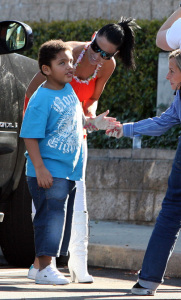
point(54, 271)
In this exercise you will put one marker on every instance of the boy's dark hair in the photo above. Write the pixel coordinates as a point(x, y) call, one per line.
point(49, 50)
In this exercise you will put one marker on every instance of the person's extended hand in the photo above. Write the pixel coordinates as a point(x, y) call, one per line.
point(117, 132)
point(101, 122)
point(44, 177)
point(90, 114)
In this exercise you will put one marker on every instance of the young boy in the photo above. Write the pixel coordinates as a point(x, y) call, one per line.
point(52, 130)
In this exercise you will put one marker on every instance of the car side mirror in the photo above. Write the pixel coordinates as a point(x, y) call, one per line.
point(15, 36)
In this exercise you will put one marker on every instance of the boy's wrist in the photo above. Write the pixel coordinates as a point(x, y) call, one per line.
point(39, 165)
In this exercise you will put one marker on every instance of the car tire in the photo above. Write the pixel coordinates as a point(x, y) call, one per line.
point(16, 230)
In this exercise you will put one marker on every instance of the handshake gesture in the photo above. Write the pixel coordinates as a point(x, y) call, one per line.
point(102, 122)
point(116, 132)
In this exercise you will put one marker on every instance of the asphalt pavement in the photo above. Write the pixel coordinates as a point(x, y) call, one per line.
point(109, 284)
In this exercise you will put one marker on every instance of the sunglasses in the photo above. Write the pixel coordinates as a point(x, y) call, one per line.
point(105, 55)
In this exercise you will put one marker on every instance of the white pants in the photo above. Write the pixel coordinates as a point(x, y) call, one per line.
point(80, 203)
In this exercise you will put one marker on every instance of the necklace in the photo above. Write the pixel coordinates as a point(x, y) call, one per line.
point(78, 63)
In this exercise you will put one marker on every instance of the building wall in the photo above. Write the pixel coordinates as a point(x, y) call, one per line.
point(35, 10)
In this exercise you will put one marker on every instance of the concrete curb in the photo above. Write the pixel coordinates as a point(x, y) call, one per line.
point(127, 259)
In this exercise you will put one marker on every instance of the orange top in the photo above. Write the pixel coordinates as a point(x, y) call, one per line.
point(84, 91)
point(26, 100)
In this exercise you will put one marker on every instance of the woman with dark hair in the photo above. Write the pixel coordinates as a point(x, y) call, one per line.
point(94, 63)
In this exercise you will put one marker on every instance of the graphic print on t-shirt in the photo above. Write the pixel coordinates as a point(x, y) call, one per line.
point(65, 136)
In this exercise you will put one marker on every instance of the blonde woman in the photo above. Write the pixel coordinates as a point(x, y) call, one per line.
point(168, 224)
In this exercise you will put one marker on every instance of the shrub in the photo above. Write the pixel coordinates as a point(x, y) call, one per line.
point(129, 95)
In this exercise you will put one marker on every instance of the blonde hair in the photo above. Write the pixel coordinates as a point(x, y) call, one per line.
point(177, 55)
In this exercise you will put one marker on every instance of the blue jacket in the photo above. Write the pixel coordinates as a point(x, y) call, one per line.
point(156, 126)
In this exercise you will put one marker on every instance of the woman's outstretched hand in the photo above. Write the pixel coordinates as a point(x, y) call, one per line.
point(117, 132)
point(101, 122)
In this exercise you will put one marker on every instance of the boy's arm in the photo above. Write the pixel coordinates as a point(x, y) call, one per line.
point(44, 178)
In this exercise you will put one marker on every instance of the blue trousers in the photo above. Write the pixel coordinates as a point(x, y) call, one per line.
point(53, 219)
point(166, 230)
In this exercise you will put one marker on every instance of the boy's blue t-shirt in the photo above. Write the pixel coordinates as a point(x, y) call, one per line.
point(54, 117)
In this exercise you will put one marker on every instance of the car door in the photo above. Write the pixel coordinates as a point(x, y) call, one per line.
point(16, 71)
point(8, 121)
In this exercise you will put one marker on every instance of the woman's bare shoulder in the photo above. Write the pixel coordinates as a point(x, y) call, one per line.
point(75, 44)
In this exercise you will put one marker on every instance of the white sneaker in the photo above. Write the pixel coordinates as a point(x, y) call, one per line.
point(32, 272)
point(50, 275)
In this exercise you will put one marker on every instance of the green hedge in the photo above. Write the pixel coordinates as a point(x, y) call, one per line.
point(129, 95)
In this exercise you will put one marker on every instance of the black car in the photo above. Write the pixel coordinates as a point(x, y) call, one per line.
point(16, 71)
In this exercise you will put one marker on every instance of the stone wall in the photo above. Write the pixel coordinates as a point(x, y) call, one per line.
point(127, 185)
point(35, 10)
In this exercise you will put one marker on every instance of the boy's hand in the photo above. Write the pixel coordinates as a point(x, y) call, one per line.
point(101, 122)
point(44, 177)
point(117, 132)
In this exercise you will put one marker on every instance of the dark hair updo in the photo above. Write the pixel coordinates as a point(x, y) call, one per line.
point(122, 35)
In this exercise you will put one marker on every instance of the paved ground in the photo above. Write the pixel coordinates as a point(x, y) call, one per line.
point(113, 247)
point(109, 284)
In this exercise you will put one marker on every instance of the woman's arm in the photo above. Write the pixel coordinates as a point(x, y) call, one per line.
point(44, 177)
point(155, 126)
point(38, 79)
point(100, 122)
point(161, 39)
point(90, 106)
